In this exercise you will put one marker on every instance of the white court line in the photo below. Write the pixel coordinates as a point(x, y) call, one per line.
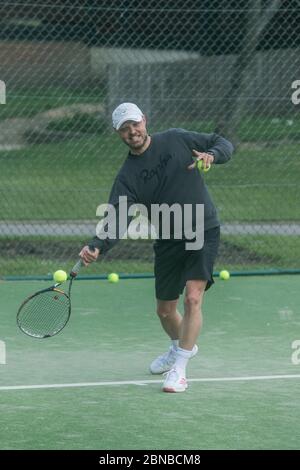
point(145, 382)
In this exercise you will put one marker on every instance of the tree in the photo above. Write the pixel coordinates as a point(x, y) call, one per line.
point(257, 18)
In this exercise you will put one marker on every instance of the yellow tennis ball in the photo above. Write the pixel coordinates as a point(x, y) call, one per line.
point(60, 276)
point(200, 166)
point(113, 277)
point(225, 275)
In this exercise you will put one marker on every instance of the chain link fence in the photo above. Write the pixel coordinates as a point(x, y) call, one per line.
point(213, 66)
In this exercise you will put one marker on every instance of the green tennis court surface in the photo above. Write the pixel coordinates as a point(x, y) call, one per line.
point(97, 392)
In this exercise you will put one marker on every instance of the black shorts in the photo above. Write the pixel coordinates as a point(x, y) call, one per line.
point(174, 265)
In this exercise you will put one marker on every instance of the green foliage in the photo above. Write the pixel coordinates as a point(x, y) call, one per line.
point(44, 255)
point(249, 188)
point(26, 102)
point(68, 180)
point(80, 123)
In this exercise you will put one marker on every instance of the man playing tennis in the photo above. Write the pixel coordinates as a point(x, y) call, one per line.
point(160, 169)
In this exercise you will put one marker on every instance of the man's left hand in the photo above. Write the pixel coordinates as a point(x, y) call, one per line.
point(207, 158)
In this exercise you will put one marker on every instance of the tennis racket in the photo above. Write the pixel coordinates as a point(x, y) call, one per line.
point(46, 313)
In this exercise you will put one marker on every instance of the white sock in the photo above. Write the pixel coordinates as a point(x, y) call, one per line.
point(175, 343)
point(182, 357)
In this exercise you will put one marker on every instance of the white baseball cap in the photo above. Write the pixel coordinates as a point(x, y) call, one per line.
point(126, 112)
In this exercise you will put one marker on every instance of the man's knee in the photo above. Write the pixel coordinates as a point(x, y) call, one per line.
point(165, 309)
point(192, 299)
point(194, 294)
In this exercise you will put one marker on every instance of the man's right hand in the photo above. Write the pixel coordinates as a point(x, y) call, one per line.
point(88, 255)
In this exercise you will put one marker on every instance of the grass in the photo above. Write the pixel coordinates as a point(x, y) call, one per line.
point(26, 102)
point(57, 181)
point(29, 255)
point(251, 129)
point(34, 266)
point(43, 255)
point(69, 180)
point(269, 129)
point(261, 252)
point(63, 181)
point(83, 122)
point(258, 185)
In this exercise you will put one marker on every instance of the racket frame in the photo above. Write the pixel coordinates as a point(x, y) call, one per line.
point(53, 288)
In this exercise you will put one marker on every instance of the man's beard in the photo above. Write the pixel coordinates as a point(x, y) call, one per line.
point(138, 146)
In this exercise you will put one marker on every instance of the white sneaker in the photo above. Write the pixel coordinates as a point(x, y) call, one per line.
point(174, 382)
point(166, 361)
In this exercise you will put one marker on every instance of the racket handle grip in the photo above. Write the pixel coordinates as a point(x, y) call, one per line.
point(76, 268)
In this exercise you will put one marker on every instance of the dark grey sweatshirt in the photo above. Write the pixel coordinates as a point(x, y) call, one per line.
point(160, 175)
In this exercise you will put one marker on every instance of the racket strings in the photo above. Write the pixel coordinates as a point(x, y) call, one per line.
point(45, 314)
